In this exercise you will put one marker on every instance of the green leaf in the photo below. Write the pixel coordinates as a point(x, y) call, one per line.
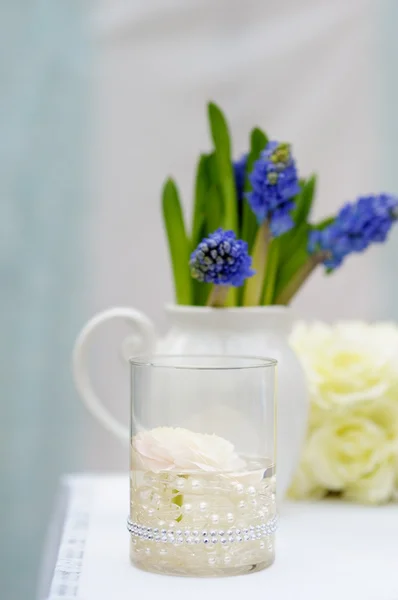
point(304, 201)
point(225, 172)
point(325, 223)
point(296, 255)
point(208, 215)
point(293, 254)
point(212, 170)
point(208, 208)
point(297, 280)
point(214, 203)
point(179, 245)
point(214, 210)
point(219, 129)
point(200, 292)
point(201, 187)
point(258, 141)
point(287, 270)
point(290, 241)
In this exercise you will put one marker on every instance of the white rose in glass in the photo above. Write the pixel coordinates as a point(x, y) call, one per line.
point(346, 449)
point(348, 363)
point(182, 450)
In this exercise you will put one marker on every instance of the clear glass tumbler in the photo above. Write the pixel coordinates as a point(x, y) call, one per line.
point(202, 477)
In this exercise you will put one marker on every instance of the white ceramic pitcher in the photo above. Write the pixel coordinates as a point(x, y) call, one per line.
point(248, 331)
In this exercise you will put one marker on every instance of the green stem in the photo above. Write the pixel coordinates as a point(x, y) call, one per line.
point(254, 286)
point(299, 278)
point(179, 501)
point(272, 270)
point(218, 296)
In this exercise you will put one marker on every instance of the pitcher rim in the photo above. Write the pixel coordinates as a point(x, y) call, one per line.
point(187, 308)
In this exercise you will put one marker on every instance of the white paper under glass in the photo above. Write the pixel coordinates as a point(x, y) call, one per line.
point(202, 477)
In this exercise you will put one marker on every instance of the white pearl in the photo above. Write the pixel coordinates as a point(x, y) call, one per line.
point(180, 483)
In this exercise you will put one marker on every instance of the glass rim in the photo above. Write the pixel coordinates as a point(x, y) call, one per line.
point(165, 361)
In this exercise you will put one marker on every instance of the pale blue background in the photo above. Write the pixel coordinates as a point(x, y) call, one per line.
point(43, 115)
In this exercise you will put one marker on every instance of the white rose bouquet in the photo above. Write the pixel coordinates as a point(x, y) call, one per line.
point(352, 442)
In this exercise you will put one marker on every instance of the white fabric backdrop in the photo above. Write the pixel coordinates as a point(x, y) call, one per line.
point(304, 71)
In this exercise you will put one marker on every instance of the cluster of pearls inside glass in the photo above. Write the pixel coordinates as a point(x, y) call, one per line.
point(202, 523)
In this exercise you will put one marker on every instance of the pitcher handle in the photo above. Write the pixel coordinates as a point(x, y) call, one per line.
point(143, 339)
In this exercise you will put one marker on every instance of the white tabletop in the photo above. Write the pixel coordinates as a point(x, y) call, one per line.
point(325, 551)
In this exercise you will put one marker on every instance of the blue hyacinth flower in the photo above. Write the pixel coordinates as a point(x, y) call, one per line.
point(221, 259)
point(274, 183)
point(240, 174)
point(358, 225)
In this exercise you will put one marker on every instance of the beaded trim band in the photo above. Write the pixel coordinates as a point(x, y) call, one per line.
point(214, 536)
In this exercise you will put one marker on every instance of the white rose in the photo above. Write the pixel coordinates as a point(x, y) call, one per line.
point(178, 449)
point(375, 487)
point(345, 449)
point(348, 363)
point(384, 413)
